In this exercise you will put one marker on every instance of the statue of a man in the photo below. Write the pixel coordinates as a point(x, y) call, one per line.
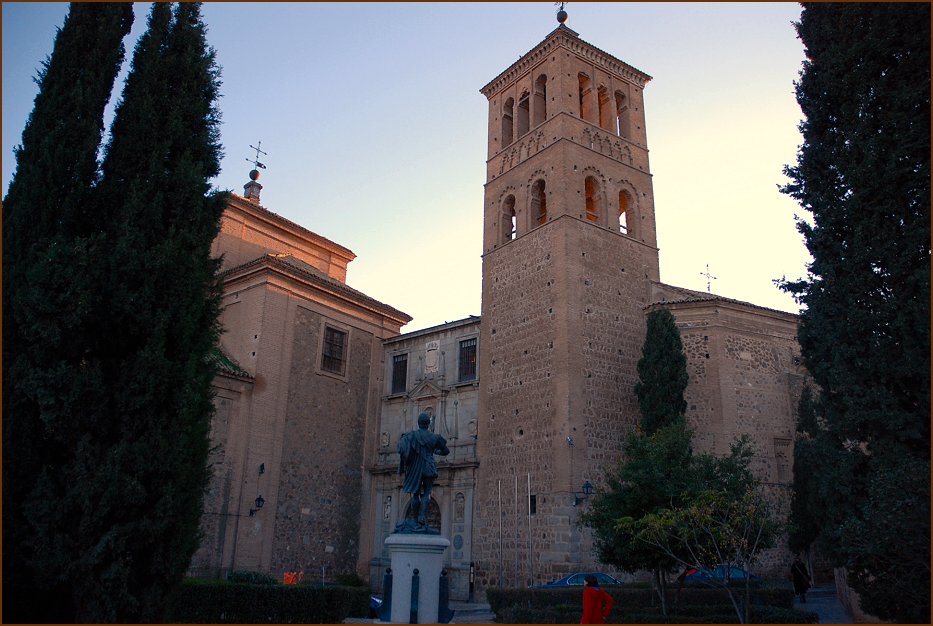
point(416, 451)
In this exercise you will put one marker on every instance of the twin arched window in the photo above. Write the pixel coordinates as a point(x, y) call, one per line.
point(538, 205)
point(530, 111)
point(594, 205)
point(612, 111)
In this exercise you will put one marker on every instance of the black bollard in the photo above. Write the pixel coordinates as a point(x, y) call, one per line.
point(472, 573)
point(385, 611)
point(415, 583)
point(444, 614)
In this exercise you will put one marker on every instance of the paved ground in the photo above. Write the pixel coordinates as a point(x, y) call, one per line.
point(464, 613)
point(821, 600)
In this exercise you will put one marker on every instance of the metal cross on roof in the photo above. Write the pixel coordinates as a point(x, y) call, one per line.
point(255, 162)
point(708, 277)
point(560, 5)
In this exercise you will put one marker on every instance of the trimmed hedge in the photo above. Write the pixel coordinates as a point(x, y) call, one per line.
point(718, 614)
point(222, 602)
point(632, 597)
point(639, 605)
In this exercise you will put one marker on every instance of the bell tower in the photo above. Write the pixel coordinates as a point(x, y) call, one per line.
point(569, 251)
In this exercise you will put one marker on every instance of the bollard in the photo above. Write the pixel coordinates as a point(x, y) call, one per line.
point(415, 583)
point(385, 611)
point(472, 573)
point(444, 614)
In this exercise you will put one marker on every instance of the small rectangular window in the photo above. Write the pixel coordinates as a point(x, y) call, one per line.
point(335, 347)
point(467, 360)
point(399, 373)
point(533, 504)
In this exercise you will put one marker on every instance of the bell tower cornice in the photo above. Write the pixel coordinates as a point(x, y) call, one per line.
point(564, 37)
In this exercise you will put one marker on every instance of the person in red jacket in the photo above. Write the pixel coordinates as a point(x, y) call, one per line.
point(596, 603)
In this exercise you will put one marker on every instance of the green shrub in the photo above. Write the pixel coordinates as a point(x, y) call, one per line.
point(350, 580)
point(639, 604)
point(719, 614)
point(635, 596)
point(251, 578)
point(223, 602)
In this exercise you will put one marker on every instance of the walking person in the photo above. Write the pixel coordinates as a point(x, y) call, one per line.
point(801, 578)
point(597, 604)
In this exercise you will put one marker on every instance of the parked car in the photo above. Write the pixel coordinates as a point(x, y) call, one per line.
point(576, 580)
point(737, 575)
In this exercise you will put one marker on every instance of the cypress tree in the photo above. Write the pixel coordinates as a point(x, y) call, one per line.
point(863, 174)
point(160, 216)
point(803, 527)
point(125, 394)
point(46, 235)
point(662, 372)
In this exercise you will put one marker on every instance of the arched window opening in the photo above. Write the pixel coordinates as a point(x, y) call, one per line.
point(586, 100)
point(523, 114)
point(624, 204)
point(606, 110)
point(622, 121)
point(509, 221)
point(539, 202)
point(539, 110)
point(593, 208)
point(507, 122)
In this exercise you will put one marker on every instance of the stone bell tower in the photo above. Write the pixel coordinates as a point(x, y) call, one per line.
point(569, 248)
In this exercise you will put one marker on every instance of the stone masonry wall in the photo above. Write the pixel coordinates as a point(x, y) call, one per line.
point(745, 377)
point(318, 517)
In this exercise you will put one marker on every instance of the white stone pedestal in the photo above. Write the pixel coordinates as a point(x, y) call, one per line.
point(409, 552)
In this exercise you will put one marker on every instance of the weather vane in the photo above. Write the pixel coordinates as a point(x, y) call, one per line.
point(255, 162)
point(708, 278)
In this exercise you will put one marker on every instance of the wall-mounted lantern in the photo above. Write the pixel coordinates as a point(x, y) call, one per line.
point(259, 502)
point(587, 492)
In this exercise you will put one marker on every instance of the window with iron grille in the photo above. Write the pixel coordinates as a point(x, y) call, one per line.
point(468, 359)
point(335, 346)
point(399, 373)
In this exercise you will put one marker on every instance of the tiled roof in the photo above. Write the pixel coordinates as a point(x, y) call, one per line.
point(243, 203)
point(226, 365)
point(691, 296)
point(292, 266)
point(564, 29)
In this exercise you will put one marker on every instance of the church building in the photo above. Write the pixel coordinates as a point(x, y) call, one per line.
point(534, 397)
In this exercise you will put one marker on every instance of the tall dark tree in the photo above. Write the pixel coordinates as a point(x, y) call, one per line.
point(803, 524)
point(662, 373)
point(863, 174)
point(46, 235)
point(653, 476)
point(116, 512)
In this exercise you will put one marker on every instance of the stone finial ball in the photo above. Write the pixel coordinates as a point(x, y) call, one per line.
point(561, 16)
point(254, 175)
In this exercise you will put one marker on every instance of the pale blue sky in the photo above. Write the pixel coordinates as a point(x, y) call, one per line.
point(376, 130)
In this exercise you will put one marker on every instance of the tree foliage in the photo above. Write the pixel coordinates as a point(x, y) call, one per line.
point(863, 175)
point(803, 526)
point(124, 390)
point(46, 235)
point(662, 373)
point(660, 473)
point(710, 529)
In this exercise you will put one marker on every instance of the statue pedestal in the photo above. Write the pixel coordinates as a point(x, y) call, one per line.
point(410, 552)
